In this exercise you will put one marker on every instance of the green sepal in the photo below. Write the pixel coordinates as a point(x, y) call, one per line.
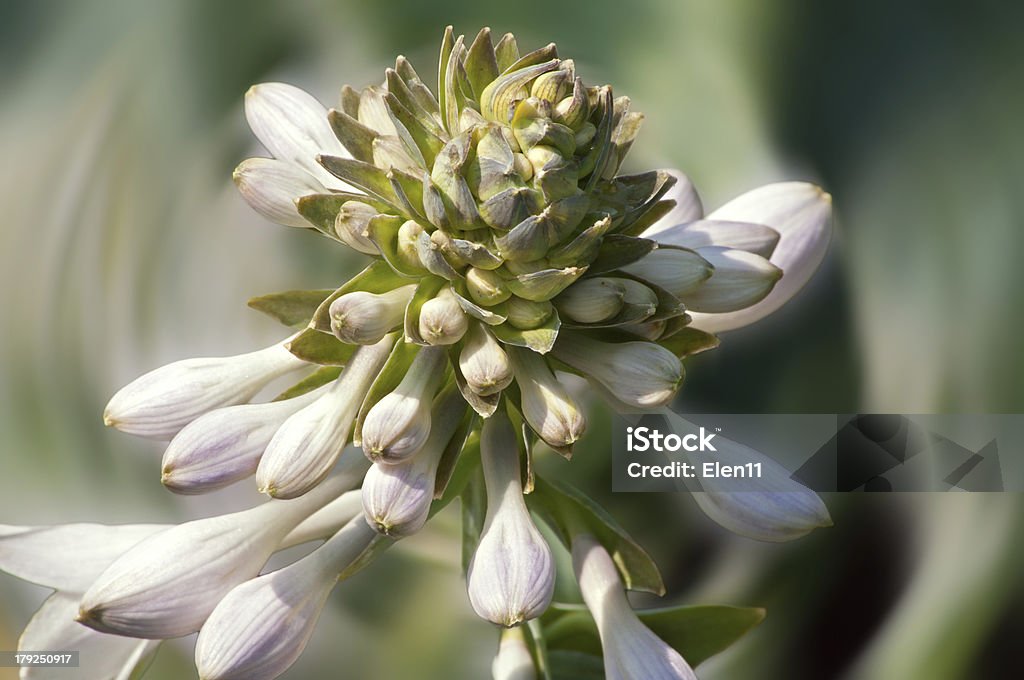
point(625, 134)
point(432, 257)
point(447, 45)
point(584, 247)
point(414, 105)
point(688, 341)
point(647, 218)
point(322, 348)
point(696, 632)
point(488, 316)
point(569, 512)
point(506, 52)
point(427, 289)
point(481, 64)
point(349, 100)
point(617, 251)
point(291, 307)
point(596, 159)
point(532, 238)
point(544, 284)
point(317, 378)
point(539, 56)
point(395, 368)
point(409, 193)
point(453, 98)
point(510, 207)
point(383, 231)
point(321, 210)
point(366, 176)
point(377, 277)
point(540, 339)
point(353, 135)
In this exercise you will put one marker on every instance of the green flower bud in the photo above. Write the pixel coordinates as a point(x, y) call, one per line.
point(591, 300)
point(484, 364)
point(526, 314)
point(442, 319)
point(361, 318)
point(486, 287)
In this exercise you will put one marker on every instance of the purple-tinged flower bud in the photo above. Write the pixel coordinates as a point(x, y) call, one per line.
point(442, 319)
point(547, 406)
point(484, 364)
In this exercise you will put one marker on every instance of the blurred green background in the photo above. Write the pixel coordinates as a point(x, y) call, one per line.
point(123, 245)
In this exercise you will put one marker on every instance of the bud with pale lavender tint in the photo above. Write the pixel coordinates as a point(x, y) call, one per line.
point(169, 583)
point(224, 446)
point(631, 650)
point(308, 444)
point(442, 320)
point(160, 403)
point(639, 374)
point(361, 318)
point(512, 575)
point(397, 497)
point(260, 627)
point(740, 279)
point(677, 270)
point(398, 425)
point(547, 406)
point(483, 363)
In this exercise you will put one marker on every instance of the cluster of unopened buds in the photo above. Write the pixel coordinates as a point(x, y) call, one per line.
point(505, 248)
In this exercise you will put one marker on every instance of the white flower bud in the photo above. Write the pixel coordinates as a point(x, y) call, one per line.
point(399, 424)
point(308, 444)
point(638, 294)
point(161, 402)
point(591, 300)
point(631, 650)
point(740, 280)
point(511, 577)
point(361, 318)
point(547, 406)
point(527, 314)
point(483, 363)
point(773, 507)
point(223, 446)
point(640, 374)
point(408, 237)
point(486, 286)
point(513, 661)
point(166, 585)
point(350, 226)
point(677, 271)
point(397, 498)
point(442, 319)
point(261, 627)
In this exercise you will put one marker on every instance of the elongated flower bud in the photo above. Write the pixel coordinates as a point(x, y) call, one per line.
point(399, 424)
point(513, 661)
point(169, 583)
point(740, 280)
point(636, 293)
point(484, 364)
point(591, 300)
point(442, 320)
point(512, 574)
point(631, 650)
point(161, 402)
point(640, 374)
point(224, 446)
point(308, 444)
point(486, 287)
point(396, 498)
point(547, 406)
point(361, 318)
point(261, 627)
point(676, 270)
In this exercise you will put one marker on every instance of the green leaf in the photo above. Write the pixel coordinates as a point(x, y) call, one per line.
point(601, 151)
point(368, 177)
point(688, 341)
point(481, 64)
point(569, 665)
point(292, 307)
point(466, 465)
point(698, 632)
point(540, 340)
point(450, 456)
point(387, 380)
point(569, 512)
point(506, 52)
point(353, 135)
point(427, 289)
point(377, 277)
point(447, 45)
point(317, 378)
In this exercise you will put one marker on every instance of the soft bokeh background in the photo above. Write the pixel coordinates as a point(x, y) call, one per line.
point(123, 245)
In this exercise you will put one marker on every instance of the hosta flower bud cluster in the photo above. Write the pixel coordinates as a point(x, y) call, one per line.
point(507, 246)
